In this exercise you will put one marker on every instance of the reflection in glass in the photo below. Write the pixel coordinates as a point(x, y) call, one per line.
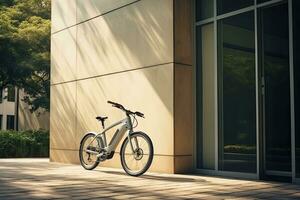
point(237, 99)
point(225, 6)
point(262, 1)
point(204, 9)
point(205, 97)
point(296, 28)
point(275, 64)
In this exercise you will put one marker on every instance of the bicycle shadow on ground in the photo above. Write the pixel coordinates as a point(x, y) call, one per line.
point(156, 177)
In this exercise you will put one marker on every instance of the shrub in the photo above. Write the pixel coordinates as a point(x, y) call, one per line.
point(24, 144)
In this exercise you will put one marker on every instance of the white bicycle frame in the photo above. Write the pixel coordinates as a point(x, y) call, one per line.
point(127, 126)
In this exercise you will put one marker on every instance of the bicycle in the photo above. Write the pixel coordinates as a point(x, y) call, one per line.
point(136, 150)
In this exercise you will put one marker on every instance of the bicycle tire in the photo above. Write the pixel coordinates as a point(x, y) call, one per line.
point(123, 154)
point(83, 164)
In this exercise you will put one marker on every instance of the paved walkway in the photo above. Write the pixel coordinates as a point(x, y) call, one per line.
point(39, 179)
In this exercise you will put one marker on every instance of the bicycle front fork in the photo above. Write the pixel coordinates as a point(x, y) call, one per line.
point(131, 143)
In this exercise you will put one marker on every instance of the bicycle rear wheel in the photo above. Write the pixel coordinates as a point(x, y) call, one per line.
point(137, 162)
point(88, 160)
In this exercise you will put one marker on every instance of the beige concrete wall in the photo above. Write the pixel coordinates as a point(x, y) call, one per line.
point(62, 116)
point(183, 87)
point(63, 56)
point(88, 9)
point(183, 118)
point(119, 50)
point(63, 14)
point(131, 37)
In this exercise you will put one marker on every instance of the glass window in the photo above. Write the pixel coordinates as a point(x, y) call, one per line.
point(237, 97)
point(10, 123)
point(204, 9)
point(206, 97)
point(11, 94)
point(225, 6)
point(296, 28)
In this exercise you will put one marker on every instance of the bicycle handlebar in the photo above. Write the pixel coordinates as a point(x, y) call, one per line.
point(117, 105)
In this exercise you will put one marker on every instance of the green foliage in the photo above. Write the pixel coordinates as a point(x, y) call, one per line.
point(24, 144)
point(25, 48)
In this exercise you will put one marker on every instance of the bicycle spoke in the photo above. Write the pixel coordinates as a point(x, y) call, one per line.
point(89, 159)
point(136, 161)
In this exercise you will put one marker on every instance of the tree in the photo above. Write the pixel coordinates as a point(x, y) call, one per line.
point(25, 49)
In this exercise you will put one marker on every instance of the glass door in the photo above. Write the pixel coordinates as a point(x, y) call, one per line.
point(275, 94)
point(237, 99)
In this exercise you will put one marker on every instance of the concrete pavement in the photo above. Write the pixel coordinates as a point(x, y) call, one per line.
point(40, 179)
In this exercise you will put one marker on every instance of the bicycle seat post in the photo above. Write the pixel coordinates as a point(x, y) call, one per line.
point(102, 119)
point(102, 122)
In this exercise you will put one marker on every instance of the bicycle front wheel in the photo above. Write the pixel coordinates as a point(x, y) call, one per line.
point(138, 161)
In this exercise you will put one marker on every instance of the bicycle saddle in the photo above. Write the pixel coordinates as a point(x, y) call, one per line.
point(102, 119)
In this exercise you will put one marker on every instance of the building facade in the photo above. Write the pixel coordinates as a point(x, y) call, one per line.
point(218, 81)
point(7, 108)
point(16, 115)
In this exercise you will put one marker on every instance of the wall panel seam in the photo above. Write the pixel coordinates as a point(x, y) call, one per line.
point(184, 64)
point(113, 73)
point(105, 13)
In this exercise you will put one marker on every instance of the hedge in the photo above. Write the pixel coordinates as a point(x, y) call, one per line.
point(24, 144)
